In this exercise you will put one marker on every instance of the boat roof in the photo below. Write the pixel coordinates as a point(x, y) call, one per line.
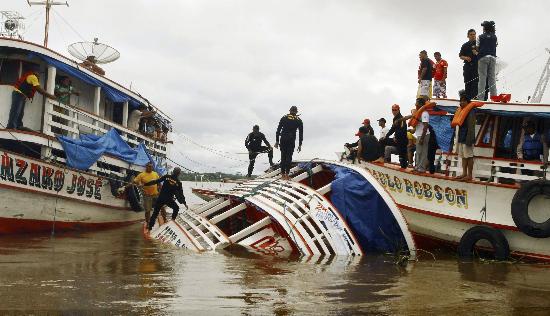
point(498, 108)
point(32, 47)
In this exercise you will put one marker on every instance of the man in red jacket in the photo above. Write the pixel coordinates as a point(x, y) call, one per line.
point(440, 76)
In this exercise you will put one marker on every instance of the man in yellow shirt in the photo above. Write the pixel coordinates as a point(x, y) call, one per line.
point(150, 192)
point(24, 89)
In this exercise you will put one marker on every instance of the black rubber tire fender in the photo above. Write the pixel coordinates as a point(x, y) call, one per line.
point(520, 208)
point(135, 197)
point(494, 236)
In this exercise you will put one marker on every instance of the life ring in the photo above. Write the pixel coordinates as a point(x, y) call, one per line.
point(418, 114)
point(473, 235)
point(462, 113)
point(520, 208)
point(135, 197)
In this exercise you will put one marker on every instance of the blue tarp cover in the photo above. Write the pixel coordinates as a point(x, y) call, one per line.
point(82, 153)
point(110, 92)
point(366, 212)
point(443, 131)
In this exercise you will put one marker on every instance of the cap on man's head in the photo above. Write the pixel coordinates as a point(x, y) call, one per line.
point(395, 107)
point(293, 108)
point(382, 120)
point(488, 23)
point(362, 130)
point(255, 127)
point(366, 121)
point(462, 94)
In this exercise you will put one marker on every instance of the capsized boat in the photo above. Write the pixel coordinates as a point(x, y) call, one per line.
point(328, 208)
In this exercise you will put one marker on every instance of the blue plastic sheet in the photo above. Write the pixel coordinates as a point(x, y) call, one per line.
point(366, 212)
point(443, 131)
point(111, 93)
point(83, 152)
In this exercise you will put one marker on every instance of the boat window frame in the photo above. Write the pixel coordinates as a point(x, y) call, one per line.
point(486, 123)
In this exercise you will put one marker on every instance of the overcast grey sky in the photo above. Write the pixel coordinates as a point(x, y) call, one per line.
point(219, 67)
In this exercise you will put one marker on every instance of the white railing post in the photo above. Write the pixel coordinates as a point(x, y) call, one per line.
point(97, 99)
point(50, 88)
point(125, 114)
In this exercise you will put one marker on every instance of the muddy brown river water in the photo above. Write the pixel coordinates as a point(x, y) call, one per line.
point(118, 272)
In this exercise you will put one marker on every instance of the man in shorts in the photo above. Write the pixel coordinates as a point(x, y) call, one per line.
point(151, 192)
point(425, 71)
point(466, 140)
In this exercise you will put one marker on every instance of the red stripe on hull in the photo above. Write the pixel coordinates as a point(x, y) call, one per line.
point(458, 219)
point(20, 226)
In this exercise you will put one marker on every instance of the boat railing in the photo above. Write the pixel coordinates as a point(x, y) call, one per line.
point(71, 121)
point(495, 170)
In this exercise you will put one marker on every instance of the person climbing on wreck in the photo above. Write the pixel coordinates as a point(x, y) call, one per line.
point(171, 188)
point(253, 143)
point(286, 134)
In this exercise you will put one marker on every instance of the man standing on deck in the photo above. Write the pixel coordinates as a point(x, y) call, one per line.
point(486, 66)
point(466, 139)
point(24, 90)
point(253, 143)
point(399, 127)
point(468, 53)
point(171, 188)
point(424, 76)
point(286, 133)
point(150, 192)
point(422, 134)
point(440, 76)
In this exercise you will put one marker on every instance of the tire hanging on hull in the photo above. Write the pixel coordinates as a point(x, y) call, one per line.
point(493, 236)
point(520, 208)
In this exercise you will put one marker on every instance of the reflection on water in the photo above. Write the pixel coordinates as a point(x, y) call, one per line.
point(118, 271)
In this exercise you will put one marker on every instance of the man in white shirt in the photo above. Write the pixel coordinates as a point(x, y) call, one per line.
point(383, 129)
point(422, 134)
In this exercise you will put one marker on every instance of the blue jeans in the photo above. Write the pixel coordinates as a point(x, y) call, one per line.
point(486, 71)
point(17, 110)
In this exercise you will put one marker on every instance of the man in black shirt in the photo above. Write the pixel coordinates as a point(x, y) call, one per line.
point(369, 147)
point(286, 133)
point(253, 143)
point(486, 65)
point(425, 72)
point(171, 188)
point(468, 53)
point(399, 127)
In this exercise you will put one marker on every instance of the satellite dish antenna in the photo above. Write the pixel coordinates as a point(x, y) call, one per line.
point(11, 24)
point(93, 53)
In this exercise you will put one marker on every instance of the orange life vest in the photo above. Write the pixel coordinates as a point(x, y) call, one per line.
point(418, 114)
point(22, 85)
point(462, 113)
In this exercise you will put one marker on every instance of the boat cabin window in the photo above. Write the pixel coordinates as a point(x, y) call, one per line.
point(508, 134)
point(9, 71)
point(484, 129)
point(20, 147)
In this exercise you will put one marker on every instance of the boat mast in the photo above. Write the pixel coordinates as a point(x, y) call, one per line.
point(48, 4)
point(543, 82)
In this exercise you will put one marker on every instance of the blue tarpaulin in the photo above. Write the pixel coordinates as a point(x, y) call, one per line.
point(110, 93)
point(443, 130)
point(366, 212)
point(83, 152)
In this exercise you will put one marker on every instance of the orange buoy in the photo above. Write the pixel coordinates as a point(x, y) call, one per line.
point(416, 117)
point(462, 113)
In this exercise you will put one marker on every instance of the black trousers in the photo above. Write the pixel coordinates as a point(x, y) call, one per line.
point(255, 152)
point(287, 149)
point(401, 145)
point(158, 205)
point(470, 80)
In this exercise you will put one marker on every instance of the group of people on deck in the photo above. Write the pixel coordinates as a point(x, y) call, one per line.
point(418, 136)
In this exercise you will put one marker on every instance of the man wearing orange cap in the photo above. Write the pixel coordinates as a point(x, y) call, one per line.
point(368, 130)
point(399, 127)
